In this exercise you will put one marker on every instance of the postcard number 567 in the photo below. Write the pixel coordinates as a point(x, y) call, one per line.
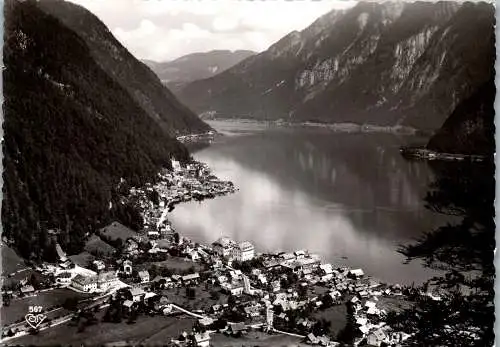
point(35, 309)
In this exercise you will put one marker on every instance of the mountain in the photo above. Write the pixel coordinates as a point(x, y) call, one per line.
point(73, 131)
point(470, 129)
point(131, 74)
point(196, 66)
point(405, 63)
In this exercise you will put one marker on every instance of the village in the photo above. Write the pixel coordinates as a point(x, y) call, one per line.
point(227, 287)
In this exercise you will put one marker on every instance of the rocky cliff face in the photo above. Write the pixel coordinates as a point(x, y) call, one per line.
point(140, 82)
point(387, 64)
point(470, 129)
point(177, 73)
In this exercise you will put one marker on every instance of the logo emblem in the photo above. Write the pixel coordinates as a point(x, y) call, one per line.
point(34, 318)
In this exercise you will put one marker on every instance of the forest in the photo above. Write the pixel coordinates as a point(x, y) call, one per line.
point(71, 134)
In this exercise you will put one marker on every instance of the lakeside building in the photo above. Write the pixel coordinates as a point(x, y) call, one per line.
point(244, 251)
point(224, 247)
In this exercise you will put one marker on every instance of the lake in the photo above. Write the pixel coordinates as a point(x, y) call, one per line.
point(349, 197)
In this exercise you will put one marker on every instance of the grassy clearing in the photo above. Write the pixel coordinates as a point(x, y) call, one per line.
point(177, 264)
point(95, 244)
point(147, 331)
point(82, 259)
point(201, 301)
point(117, 231)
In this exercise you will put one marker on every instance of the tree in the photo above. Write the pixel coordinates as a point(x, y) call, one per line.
point(463, 190)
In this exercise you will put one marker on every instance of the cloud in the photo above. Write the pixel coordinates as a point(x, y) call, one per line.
point(166, 29)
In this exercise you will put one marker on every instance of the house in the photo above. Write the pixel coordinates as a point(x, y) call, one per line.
point(206, 321)
point(202, 339)
point(84, 284)
point(300, 254)
point(312, 339)
point(176, 165)
point(99, 265)
point(28, 289)
point(107, 279)
point(235, 288)
point(63, 278)
point(224, 246)
point(356, 273)
point(128, 304)
point(327, 269)
point(237, 328)
point(127, 267)
point(137, 294)
point(153, 234)
point(244, 251)
point(253, 310)
point(144, 276)
point(194, 255)
point(376, 338)
point(191, 277)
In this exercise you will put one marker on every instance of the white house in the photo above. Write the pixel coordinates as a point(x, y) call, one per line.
point(84, 284)
point(202, 339)
point(244, 251)
point(235, 289)
point(107, 279)
point(144, 276)
point(99, 265)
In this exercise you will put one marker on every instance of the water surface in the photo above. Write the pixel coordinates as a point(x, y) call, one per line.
point(349, 197)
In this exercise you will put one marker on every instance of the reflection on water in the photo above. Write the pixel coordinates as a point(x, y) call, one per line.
point(339, 195)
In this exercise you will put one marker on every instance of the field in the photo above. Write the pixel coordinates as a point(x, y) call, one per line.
point(82, 259)
point(177, 264)
point(117, 231)
point(201, 301)
point(150, 331)
point(255, 338)
point(11, 262)
point(95, 244)
point(19, 308)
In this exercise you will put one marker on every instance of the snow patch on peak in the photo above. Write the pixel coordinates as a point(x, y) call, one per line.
point(391, 11)
point(362, 20)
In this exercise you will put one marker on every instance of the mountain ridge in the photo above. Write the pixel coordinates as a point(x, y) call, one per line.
point(134, 76)
point(195, 66)
point(386, 64)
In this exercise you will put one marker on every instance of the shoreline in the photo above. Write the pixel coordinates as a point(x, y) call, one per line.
point(422, 153)
point(342, 127)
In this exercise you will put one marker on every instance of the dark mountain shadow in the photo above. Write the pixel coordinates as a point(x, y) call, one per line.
point(465, 314)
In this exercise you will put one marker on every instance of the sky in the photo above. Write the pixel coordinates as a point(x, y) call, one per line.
point(162, 30)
